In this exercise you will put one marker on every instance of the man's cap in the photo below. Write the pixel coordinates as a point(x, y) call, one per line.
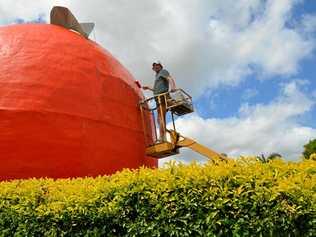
point(157, 63)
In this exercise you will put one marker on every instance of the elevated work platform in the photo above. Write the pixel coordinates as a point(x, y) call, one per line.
point(161, 150)
point(177, 103)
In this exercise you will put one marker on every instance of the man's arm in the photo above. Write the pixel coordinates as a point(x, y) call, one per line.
point(171, 83)
point(147, 88)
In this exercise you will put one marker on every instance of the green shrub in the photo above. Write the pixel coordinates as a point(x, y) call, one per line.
point(238, 198)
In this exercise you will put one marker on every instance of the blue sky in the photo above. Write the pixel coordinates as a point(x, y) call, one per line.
point(225, 101)
point(249, 67)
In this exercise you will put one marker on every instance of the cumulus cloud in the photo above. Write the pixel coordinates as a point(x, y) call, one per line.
point(309, 23)
point(203, 43)
point(258, 129)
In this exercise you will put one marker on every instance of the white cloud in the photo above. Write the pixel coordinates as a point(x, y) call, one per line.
point(263, 128)
point(309, 23)
point(203, 43)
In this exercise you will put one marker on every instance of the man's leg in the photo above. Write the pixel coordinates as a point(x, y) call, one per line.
point(162, 119)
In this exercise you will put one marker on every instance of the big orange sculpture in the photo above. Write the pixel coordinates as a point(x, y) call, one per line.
point(68, 108)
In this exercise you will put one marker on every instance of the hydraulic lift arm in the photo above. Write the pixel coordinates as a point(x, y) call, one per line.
point(203, 150)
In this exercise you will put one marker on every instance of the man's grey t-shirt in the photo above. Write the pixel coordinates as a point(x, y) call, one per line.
point(161, 82)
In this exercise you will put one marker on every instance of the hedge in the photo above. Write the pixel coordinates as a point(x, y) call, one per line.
point(237, 198)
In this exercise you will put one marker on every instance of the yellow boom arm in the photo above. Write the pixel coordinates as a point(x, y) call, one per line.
point(203, 150)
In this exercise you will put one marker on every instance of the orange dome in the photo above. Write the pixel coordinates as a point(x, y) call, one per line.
point(68, 108)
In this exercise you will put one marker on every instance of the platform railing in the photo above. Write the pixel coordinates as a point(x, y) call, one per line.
point(177, 102)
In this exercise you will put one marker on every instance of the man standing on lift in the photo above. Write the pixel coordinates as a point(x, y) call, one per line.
point(161, 85)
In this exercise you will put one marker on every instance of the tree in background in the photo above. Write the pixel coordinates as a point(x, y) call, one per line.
point(309, 149)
